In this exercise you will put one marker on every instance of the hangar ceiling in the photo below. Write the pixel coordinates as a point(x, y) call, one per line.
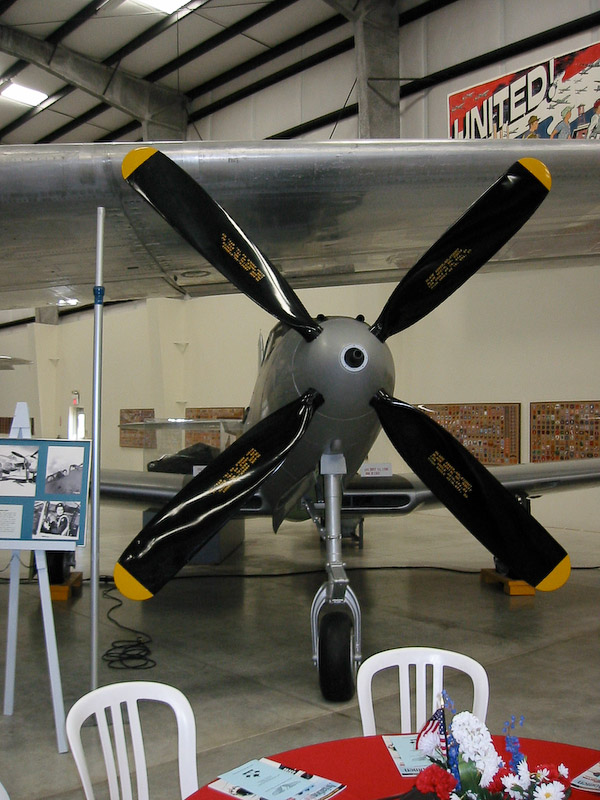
point(98, 61)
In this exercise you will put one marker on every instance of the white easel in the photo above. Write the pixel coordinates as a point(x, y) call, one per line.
point(21, 431)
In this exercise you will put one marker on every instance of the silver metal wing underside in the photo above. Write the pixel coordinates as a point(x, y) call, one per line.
point(329, 213)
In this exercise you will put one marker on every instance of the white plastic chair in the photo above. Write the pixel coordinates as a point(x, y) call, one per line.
point(3, 793)
point(119, 697)
point(402, 658)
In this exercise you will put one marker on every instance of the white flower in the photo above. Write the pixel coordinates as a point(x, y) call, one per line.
point(475, 744)
point(554, 790)
point(562, 770)
point(524, 776)
point(429, 743)
point(511, 784)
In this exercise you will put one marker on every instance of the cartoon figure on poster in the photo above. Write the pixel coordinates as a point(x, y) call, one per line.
point(593, 131)
point(555, 99)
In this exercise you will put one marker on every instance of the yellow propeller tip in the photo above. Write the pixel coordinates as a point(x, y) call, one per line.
point(135, 158)
point(557, 577)
point(539, 170)
point(129, 586)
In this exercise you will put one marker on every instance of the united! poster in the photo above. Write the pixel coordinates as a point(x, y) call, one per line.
point(554, 99)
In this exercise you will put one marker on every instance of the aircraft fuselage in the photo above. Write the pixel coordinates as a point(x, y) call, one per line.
point(347, 364)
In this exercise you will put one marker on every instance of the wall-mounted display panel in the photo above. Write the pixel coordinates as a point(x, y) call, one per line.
point(563, 431)
point(554, 99)
point(227, 420)
point(490, 431)
point(141, 437)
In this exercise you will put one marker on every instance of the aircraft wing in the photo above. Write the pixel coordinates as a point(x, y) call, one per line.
point(398, 494)
point(328, 213)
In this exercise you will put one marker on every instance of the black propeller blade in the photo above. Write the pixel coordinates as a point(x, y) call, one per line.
point(211, 231)
point(466, 246)
point(205, 504)
point(473, 495)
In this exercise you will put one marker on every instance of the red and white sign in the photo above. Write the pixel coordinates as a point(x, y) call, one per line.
point(557, 98)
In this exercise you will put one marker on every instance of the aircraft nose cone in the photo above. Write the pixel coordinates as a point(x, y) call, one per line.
point(346, 364)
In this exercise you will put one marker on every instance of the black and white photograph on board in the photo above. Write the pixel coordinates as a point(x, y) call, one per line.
point(18, 463)
point(64, 469)
point(56, 519)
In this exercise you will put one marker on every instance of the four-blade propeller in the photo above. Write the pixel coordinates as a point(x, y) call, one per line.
point(208, 501)
point(457, 479)
point(211, 231)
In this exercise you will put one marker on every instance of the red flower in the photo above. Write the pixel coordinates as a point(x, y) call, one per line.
point(496, 784)
point(437, 780)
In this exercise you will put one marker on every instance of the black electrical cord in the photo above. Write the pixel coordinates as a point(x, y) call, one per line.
point(126, 653)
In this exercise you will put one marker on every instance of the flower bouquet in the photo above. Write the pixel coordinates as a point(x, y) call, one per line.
point(466, 766)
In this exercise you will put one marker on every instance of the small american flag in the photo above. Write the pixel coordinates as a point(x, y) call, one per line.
point(436, 724)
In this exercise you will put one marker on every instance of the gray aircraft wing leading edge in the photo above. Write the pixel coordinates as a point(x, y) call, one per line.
point(326, 213)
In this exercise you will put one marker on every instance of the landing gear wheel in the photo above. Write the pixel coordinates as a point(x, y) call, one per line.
point(59, 566)
point(336, 662)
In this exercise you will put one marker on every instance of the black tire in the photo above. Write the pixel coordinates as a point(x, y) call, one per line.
point(59, 566)
point(336, 662)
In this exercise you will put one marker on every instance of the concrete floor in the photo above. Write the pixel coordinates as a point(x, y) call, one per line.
point(236, 640)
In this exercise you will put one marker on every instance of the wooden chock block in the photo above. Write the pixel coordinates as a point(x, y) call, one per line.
point(72, 586)
point(511, 586)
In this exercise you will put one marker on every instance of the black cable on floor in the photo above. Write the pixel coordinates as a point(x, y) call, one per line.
point(126, 653)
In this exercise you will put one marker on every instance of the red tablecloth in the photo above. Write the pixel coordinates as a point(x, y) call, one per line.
point(364, 765)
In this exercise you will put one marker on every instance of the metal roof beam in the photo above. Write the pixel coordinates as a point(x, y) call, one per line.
point(162, 112)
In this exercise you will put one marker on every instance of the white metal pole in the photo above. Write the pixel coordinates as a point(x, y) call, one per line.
point(97, 390)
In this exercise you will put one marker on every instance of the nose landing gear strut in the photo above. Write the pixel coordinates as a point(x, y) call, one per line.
point(335, 613)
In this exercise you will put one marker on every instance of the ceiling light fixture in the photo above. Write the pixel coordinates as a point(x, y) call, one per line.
point(166, 6)
point(22, 94)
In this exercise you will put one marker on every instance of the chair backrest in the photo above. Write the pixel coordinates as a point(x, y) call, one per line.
point(120, 699)
point(420, 657)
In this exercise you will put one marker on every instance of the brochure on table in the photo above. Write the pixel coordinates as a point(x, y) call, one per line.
point(403, 750)
point(588, 780)
point(266, 779)
point(44, 486)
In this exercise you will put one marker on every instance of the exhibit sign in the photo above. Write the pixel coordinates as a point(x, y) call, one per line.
point(557, 98)
point(565, 430)
point(44, 486)
point(490, 431)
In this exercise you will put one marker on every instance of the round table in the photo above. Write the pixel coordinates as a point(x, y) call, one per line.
point(364, 765)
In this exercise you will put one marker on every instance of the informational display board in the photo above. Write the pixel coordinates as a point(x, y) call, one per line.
point(44, 487)
point(563, 431)
point(490, 431)
point(214, 436)
point(136, 437)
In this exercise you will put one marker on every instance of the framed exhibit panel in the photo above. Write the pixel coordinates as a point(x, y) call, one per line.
point(131, 435)
point(490, 431)
point(44, 486)
point(564, 430)
point(227, 420)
